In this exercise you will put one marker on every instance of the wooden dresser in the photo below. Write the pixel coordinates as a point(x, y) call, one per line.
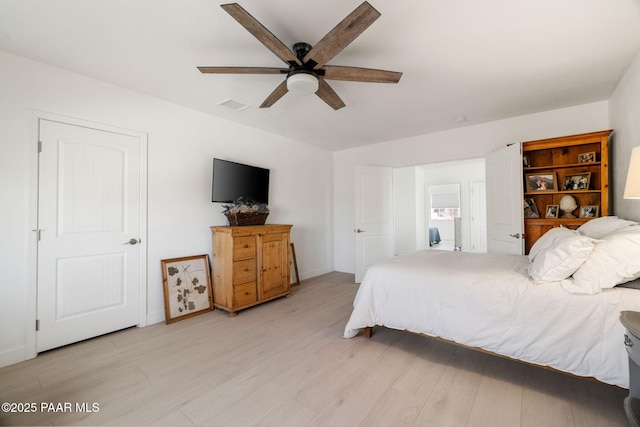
point(250, 265)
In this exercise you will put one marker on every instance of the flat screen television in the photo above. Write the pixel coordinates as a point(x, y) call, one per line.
point(233, 180)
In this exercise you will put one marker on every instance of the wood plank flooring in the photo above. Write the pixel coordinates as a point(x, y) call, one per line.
point(285, 363)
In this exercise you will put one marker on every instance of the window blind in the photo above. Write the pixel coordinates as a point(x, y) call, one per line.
point(445, 200)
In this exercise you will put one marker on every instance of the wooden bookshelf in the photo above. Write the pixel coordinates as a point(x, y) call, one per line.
point(568, 160)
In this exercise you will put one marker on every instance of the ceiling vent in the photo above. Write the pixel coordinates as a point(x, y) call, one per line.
point(234, 105)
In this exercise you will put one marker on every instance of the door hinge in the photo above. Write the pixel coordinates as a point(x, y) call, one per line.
point(37, 230)
point(37, 325)
point(39, 146)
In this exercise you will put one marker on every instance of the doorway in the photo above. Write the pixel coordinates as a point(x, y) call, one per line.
point(412, 204)
point(443, 218)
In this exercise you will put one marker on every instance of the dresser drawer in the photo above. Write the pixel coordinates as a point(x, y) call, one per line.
point(244, 247)
point(245, 294)
point(244, 271)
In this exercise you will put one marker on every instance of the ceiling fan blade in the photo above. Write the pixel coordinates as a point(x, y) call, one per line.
point(328, 95)
point(260, 32)
point(242, 70)
point(278, 93)
point(342, 34)
point(356, 74)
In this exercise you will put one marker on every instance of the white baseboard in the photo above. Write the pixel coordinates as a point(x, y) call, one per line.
point(13, 356)
point(155, 317)
point(313, 273)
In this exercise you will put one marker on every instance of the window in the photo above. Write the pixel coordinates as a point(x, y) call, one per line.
point(445, 213)
point(445, 202)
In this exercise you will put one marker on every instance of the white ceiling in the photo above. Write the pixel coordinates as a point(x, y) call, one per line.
point(484, 60)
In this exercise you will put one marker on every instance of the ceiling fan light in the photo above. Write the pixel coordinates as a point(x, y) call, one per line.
point(303, 83)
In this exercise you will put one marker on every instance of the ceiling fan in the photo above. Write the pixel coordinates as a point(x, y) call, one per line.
point(307, 71)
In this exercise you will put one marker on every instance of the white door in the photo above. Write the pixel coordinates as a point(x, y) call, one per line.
point(374, 216)
point(505, 222)
point(478, 216)
point(89, 259)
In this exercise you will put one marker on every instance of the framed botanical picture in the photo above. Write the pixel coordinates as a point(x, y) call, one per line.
point(587, 157)
point(187, 287)
point(530, 209)
point(552, 211)
point(578, 181)
point(589, 211)
point(541, 182)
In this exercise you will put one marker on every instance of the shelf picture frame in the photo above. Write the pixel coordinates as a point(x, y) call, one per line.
point(187, 287)
point(530, 208)
point(552, 211)
point(589, 157)
point(541, 182)
point(577, 182)
point(589, 211)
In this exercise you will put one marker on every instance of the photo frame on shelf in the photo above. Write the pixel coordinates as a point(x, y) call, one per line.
point(589, 211)
point(552, 211)
point(187, 287)
point(589, 157)
point(541, 182)
point(530, 208)
point(577, 182)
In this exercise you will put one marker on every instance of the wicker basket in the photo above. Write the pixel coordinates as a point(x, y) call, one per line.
point(247, 218)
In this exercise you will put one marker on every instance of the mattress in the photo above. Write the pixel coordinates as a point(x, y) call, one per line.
point(488, 301)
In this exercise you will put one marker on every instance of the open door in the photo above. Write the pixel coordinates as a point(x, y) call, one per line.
point(374, 216)
point(505, 221)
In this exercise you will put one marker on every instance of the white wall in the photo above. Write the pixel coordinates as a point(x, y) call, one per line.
point(624, 115)
point(181, 146)
point(463, 143)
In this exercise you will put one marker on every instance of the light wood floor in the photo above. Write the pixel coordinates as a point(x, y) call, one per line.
point(285, 363)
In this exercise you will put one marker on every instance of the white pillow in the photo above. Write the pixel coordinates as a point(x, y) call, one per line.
point(600, 227)
point(614, 260)
point(546, 240)
point(561, 259)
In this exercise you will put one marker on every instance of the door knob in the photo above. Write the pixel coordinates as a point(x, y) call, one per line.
point(357, 230)
point(515, 236)
point(132, 241)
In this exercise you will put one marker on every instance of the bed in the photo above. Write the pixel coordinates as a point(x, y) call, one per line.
point(558, 307)
point(434, 236)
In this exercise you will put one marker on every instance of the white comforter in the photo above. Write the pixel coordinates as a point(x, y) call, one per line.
point(488, 301)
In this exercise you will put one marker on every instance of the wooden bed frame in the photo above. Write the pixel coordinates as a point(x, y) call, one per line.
point(368, 333)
